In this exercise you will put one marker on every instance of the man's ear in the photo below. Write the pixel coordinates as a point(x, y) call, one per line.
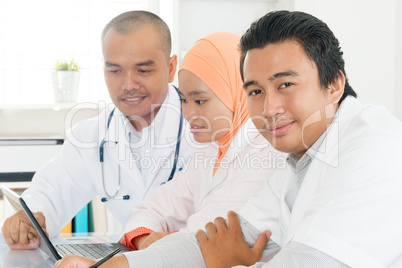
point(337, 87)
point(172, 67)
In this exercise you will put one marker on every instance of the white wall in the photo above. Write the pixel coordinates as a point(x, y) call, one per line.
point(198, 18)
point(398, 61)
point(370, 33)
point(367, 31)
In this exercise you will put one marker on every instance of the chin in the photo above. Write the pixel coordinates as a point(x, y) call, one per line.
point(280, 146)
point(202, 139)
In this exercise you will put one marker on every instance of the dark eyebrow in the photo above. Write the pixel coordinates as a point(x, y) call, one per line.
point(193, 93)
point(249, 83)
point(110, 64)
point(282, 74)
point(145, 63)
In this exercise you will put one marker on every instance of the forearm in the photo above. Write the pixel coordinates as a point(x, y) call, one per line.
point(69, 261)
point(117, 261)
point(175, 250)
point(183, 250)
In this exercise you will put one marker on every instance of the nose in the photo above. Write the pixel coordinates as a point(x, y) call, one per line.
point(273, 105)
point(131, 81)
point(189, 111)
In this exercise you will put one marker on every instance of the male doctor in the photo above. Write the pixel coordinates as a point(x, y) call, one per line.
point(338, 203)
point(136, 142)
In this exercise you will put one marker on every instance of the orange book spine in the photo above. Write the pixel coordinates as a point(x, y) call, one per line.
point(68, 228)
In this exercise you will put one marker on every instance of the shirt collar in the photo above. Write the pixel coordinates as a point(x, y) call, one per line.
point(293, 160)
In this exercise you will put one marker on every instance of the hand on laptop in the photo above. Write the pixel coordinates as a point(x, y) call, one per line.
point(19, 233)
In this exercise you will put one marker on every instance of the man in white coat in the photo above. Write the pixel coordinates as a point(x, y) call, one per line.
point(125, 152)
point(337, 204)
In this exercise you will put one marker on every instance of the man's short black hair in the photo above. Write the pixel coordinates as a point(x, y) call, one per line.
point(317, 40)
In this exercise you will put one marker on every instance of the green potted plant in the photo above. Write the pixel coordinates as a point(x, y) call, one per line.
point(66, 79)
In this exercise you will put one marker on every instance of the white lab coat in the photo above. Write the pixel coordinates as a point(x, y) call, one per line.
point(73, 178)
point(195, 197)
point(349, 204)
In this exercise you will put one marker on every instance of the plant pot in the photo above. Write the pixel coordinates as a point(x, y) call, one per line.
point(65, 85)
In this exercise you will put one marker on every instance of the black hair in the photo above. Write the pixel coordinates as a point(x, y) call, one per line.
point(317, 40)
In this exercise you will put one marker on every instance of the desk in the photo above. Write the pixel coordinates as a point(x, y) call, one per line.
point(37, 258)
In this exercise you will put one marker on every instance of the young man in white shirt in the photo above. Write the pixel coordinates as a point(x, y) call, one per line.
point(338, 202)
point(125, 152)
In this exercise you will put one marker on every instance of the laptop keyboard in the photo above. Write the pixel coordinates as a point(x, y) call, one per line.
point(92, 251)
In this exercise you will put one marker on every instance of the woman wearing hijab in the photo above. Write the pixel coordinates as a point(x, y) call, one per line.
point(214, 103)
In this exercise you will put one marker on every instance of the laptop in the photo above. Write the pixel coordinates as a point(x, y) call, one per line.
point(89, 250)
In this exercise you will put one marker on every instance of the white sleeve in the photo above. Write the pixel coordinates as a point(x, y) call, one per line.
point(240, 184)
point(167, 208)
point(296, 255)
point(263, 210)
point(61, 187)
point(188, 202)
point(179, 250)
point(183, 250)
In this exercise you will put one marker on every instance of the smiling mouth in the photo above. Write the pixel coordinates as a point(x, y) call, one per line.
point(133, 99)
point(280, 129)
point(195, 129)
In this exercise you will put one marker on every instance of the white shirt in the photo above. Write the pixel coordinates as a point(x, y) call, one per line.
point(142, 143)
point(73, 177)
point(195, 197)
point(348, 205)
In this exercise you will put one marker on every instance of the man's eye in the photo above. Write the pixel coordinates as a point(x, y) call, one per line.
point(143, 71)
point(183, 100)
point(287, 84)
point(113, 71)
point(255, 92)
point(199, 101)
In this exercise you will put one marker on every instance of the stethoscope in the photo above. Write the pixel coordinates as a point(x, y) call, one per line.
point(101, 159)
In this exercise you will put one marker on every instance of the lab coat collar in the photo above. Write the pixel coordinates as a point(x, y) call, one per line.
point(319, 149)
point(331, 137)
point(326, 154)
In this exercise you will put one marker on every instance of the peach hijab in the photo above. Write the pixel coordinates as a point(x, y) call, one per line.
point(215, 59)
